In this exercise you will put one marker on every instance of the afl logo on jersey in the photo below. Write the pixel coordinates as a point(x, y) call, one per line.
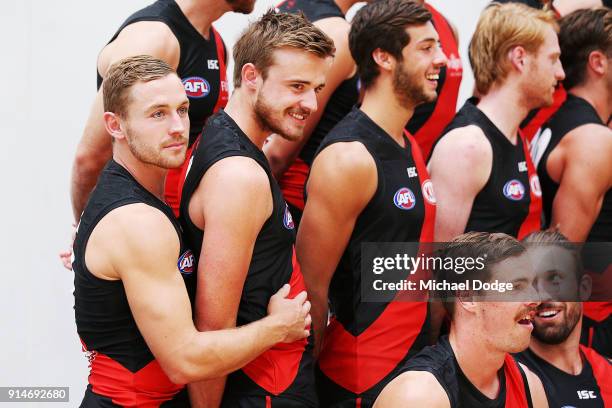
point(534, 183)
point(404, 199)
point(514, 190)
point(196, 87)
point(428, 192)
point(185, 262)
point(288, 219)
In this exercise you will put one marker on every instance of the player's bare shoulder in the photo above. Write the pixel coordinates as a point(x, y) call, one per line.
point(413, 389)
point(153, 38)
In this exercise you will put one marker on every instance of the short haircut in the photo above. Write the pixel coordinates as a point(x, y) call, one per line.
point(583, 32)
point(122, 75)
point(555, 238)
point(382, 24)
point(502, 27)
point(493, 248)
point(273, 31)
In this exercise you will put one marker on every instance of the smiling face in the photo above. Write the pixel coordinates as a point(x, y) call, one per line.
point(415, 77)
point(556, 271)
point(506, 325)
point(543, 72)
point(156, 123)
point(287, 96)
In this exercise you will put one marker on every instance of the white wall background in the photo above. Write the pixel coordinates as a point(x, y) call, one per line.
point(47, 83)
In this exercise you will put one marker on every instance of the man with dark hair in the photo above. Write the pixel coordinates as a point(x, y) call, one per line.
point(481, 169)
point(472, 367)
point(179, 32)
point(368, 183)
point(576, 145)
point(234, 215)
point(572, 374)
point(131, 307)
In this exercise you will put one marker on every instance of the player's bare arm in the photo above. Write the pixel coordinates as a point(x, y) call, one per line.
point(536, 389)
point(94, 148)
point(146, 264)
point(281, 152)
point(459, 167)
point(342, 181)
point(581, 165)
point(413, 389)
point(228, 188)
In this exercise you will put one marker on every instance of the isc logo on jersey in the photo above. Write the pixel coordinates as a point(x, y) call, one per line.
point(196, 87)
point(514, 190)
point(185, 262)
point(288, 219)
point(404, 199)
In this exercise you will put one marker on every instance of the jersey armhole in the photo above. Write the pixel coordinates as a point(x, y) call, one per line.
point(526, 385)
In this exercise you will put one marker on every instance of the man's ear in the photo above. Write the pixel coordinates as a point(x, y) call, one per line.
point(250, 76)
point(383, 59)
point(112, 124)
point(585, 288)
point(598, 62)
point(518, 58)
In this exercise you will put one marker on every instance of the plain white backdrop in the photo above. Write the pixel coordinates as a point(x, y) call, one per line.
point(47, 83)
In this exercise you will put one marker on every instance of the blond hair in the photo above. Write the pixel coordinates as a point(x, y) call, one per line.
point(273, 31)
point(123, 74)
point(500, 28)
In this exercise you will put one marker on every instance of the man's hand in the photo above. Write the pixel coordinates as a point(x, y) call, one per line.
point(66, 256)
point(294, 314)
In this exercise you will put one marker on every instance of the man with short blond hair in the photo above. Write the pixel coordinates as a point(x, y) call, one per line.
point(129, 255)
point(481, 169)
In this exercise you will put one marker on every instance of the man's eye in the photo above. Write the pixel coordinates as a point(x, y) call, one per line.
point(158, 114)
point(298, 87)
point(183, 110)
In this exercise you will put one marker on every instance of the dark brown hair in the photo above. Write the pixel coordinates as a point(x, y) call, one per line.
point(382, 24)
point(583, 32)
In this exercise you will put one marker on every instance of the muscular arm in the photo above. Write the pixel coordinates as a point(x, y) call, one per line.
point(94, 148)
point(459, 168)
point(234, 208)
point(342, 181)
point(582, 161)
point(138, 244)
point(413, 389)
point(281, 152)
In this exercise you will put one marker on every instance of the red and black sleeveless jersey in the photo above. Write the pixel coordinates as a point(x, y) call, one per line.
point(285, 372)
point(440, 361)
point(574, 113)
point(123, 372)
point(510, 202)
point(201, 68)
point(366, 342)
point(430, 119)
point(339, 104)
point(592, 388)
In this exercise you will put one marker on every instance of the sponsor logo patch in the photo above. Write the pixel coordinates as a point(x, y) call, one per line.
point(196, 87)
point(428, 191)
point(185, 262)
point(534, 183)
point(514, 190)
point(288, 219)
point(404, 199)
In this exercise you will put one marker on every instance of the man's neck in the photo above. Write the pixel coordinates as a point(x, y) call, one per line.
point(596, 94)
point(202, 13)
point(240, 109)
point(382, 106)
point(565, 356)
point(503, 106)
point(151, 177)
point(479, 363)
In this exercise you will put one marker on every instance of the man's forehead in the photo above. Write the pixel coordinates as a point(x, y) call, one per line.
point(514, 267)
point(422, 32)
